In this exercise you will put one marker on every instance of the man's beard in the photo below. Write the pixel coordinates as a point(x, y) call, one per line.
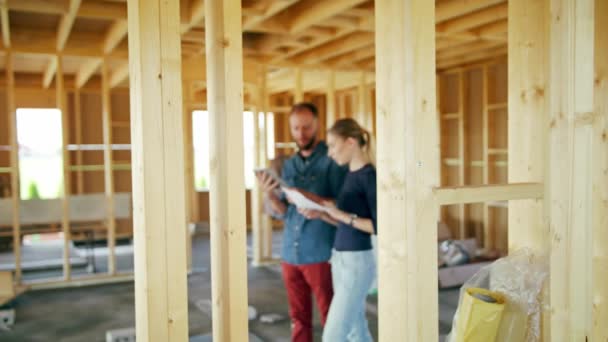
point(309, 145)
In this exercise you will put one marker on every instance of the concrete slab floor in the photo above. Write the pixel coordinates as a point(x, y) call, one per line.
point(85, 314)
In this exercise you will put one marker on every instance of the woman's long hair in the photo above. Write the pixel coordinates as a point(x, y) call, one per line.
point(349, 128)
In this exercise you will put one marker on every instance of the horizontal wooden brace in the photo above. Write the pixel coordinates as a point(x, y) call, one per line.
point(488, 193)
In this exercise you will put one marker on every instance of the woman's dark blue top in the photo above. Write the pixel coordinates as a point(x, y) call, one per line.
point(358, 196)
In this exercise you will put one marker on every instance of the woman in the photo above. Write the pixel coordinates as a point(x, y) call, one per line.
point(354, 214)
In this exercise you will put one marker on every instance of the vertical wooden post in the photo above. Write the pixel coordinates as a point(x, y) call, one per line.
point(407, 121)
point(362, 114)
point(161, 306)
point(256, 193)
point(570, 169)
point(263, 162)
point(190, 187)
point(331, 99)
point(488, 232)
point(223, 38)
point(462, 148)
point(78, 139)
point(106, 117)
point(14, 157)
point(262, 240)
point(65, 217)
point(528, 108)
point(600, 175)
point(298, 92)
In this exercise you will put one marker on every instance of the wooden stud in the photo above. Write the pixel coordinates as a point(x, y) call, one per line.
point(463, 135)
point(191, 201)
point(407, 119)
point(257, 209)
point(106, 116)
point(227, 190)
point(600, 175)
point(161, 305)
point(571, 164)
point(78, 139)
point(488, 233)
point(362, 114)
point(65, 203)
point(14, 156)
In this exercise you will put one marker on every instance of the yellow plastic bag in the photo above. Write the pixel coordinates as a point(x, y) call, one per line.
point(479, 315)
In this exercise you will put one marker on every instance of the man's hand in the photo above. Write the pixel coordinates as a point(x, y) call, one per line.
point(267, 183)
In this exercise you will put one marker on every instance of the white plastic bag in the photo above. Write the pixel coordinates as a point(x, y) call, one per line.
point(520, 277)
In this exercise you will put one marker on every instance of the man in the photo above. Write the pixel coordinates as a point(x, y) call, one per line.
point(307, 244)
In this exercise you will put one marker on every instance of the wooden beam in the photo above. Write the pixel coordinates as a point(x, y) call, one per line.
point(482, 17)
point(65, 200)
point(471, 58)
point(352, 57)
point(115, 34)
point(86, 70)
point(600, 175)
point(489, 234)
point(407, 122)
point(335, 48)
point(227, 189)
point(528, 112)
point(65, 25)
point(39, 6)
point(571, 164)
point(106, 120)
point(298, 95)
point(191, 200)
point(14, 162)
point(119, 75)
point(6, 26)
point(488, 193)
point(447, 10)
point(161, 305)
point(310, 12)
point(277, 6)
point(330, 111)
point(100, 9)
point(197, 13)
point(49, 73)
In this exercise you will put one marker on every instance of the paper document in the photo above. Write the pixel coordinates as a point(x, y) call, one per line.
point(301, 201)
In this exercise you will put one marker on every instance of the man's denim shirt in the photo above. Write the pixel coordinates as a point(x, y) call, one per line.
point(310, 241)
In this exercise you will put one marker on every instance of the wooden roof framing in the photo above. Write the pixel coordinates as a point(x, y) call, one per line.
point(316, 35)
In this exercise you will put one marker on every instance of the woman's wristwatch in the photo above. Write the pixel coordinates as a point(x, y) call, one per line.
point(353, 217)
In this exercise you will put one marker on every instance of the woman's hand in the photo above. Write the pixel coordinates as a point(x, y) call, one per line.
point(334, 212)
point(311, 214)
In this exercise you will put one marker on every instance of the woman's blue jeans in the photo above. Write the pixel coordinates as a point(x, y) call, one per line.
point(353, 274)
